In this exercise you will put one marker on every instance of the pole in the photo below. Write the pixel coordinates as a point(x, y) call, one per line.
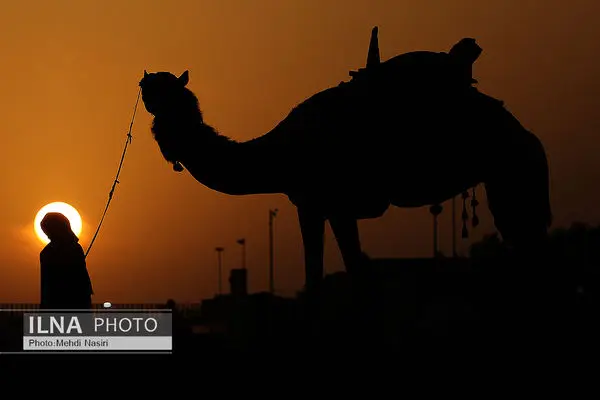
point(242, 242)
point(244, 255)
point(272, 214)
point(454, 226)
point(219, 251)
point(435, 210)
point(435, 236)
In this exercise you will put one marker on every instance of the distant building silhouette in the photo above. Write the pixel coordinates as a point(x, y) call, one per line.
point(238, 282)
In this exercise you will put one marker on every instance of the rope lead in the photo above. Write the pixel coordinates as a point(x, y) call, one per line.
point(114, 185)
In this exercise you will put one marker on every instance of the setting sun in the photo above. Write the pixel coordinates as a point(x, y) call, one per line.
point(67, 210)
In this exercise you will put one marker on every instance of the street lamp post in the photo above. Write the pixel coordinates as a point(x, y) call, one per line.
point(242, 242)
point(272, 215)
point(220, 251)
point(454, 253)
point(435, 210)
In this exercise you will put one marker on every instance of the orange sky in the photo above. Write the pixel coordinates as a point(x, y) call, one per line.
point(69, 75)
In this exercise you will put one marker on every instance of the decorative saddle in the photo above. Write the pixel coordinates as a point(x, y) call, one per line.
point(455, 66)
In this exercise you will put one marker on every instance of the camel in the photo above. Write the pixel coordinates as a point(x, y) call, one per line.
point(347, 153)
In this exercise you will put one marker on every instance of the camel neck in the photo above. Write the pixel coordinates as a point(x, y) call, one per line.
point(224, 165)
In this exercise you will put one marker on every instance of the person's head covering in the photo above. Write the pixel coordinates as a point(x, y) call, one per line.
point(57, 227)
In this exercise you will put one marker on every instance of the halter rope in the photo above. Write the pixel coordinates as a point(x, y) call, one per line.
point(114, 185)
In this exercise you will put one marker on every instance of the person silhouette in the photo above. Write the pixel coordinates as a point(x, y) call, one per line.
point(65, 282)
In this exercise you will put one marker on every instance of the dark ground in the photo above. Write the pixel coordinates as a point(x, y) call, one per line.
point(401, 307)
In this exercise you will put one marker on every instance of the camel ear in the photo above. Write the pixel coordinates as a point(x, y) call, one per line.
point(184, 78)
point(145, 74)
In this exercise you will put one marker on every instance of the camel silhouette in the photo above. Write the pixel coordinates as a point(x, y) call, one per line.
point(408, 132)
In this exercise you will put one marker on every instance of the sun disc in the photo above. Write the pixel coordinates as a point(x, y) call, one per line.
point(65, 209)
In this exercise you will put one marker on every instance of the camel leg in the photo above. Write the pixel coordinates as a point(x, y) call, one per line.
point(364, 291)
point(312, 226)
point(347, 236)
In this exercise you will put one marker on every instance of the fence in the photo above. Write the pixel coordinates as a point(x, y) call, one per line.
point(183, 308)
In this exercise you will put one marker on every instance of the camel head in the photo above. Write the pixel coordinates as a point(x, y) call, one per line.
point(160, 90)
point(165, 95)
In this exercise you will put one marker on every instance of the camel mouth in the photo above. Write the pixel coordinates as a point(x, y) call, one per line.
point(149, 108)
point(150, 103)
point(177, 167)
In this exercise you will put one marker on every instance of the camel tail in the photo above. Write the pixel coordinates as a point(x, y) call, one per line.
point(535, 185)
point(519, 193)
